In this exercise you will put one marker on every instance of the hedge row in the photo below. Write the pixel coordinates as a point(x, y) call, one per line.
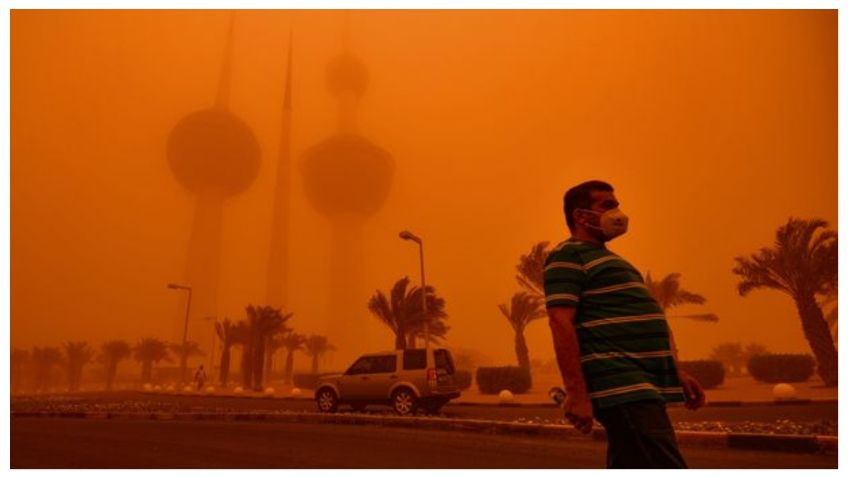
point(781, 368)
point(492, 380)
point(708, 373)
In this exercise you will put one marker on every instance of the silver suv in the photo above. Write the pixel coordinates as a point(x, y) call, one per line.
point(404, 379)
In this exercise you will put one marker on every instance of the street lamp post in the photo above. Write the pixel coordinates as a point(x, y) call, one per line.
point(409, 236)
point(215, 321)
point(174, 286)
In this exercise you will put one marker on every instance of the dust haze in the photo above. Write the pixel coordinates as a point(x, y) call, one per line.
point(713, 127)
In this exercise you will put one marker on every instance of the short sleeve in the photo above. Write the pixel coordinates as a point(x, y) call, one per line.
point(565, 278)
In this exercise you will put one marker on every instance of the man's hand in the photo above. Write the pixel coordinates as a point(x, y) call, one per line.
point(693, 393)
point(578, 411)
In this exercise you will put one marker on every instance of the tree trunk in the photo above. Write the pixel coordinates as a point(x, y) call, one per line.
point(146, 371)
point(246, 366)
point(521, 351)
point(224, 373)
point(289, 366)
point(315, 363)
point(400, 342)
point(269, 361)
point(111, 371)
point(70, 371)
point(258, 362)
point(821, 342)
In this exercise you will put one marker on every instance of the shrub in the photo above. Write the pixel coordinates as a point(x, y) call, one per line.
point(308, 380)
point(491, 380)
point(462, 378)
point(709, 373)
point(781, 368)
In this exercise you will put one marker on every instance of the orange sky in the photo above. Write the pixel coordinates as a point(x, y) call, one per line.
point(714, 127)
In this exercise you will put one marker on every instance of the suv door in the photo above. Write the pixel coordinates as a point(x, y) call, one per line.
point(357, 379)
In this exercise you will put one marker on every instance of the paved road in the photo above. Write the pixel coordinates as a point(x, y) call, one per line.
point(762, 413)
point(89, 443)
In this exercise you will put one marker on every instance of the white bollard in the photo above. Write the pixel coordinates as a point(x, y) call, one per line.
point(238, 390)
point(269, 390)
point(188, 389)
point(295, 392)
point(157, 388)
point(210, 389)
point(505, 396)
point(784, 392)
point(148, 387)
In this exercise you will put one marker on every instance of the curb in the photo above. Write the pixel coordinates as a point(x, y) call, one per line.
point(308, 397)
point(767, 442)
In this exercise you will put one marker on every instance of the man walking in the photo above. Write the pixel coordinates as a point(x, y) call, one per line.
point(200, 377)
point(614, 348)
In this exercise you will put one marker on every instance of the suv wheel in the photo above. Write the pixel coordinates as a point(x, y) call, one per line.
point(404, 402)
point(327, 400)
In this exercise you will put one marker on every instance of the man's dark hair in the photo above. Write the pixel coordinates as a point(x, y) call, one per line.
point(580, 197)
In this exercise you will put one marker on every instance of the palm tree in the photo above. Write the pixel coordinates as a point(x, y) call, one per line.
point(148, 352)
point(291, 342)
point(112, 353)
point(185, 351)
point(830, 303)
point(264, 322)
point(17, 360)
point(436, 317)
point(401, 312)
point(524, 308)
point(77, 355)
point(228, 333)
point(668, 294)
point(272, 346)
point(803, 265)
point(531, 269)
point(316, 347)
point(44, 359)
point(731, 355)
point(243, 337)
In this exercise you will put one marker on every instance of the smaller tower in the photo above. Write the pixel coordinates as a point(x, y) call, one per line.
point(347, 179)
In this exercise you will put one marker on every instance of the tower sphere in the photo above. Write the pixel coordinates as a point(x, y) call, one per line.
point(346, 73)
point(347, 175)
point(212, 150)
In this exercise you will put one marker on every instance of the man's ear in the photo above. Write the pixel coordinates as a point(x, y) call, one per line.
point(575, 214)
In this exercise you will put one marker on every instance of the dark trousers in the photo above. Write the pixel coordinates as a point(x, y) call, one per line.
point(640, 436)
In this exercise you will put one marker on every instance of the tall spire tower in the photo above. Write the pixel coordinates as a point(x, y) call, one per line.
point(277, 283)
point(347, 179)
point(215, 156)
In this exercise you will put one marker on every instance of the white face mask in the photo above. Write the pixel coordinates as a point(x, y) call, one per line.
point(613, 222)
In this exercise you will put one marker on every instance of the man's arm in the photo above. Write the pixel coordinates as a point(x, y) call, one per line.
point(577, 406)
point(693, 393)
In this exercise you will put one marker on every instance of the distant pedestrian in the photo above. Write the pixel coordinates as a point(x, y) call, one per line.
point(613, 345)
point(200, 377)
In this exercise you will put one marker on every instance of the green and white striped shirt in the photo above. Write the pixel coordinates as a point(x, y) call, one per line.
point(625, 350)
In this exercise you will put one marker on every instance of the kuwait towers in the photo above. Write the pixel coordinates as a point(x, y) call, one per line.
point(276, 280)
point(347, 179)
point(214, 155)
